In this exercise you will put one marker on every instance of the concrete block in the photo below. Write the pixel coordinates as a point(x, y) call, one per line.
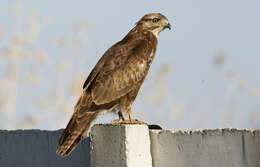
point(120, 146)
point(130, 145)
point(214, 148)
point(36, 148)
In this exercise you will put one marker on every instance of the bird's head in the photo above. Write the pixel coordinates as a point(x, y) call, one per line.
point(154, 22)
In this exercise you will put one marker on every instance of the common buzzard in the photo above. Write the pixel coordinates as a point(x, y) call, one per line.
point(113, 84)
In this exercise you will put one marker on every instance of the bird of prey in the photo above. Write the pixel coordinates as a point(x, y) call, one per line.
point(113, 84)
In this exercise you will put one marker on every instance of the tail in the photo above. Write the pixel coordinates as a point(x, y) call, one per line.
point(76, 129)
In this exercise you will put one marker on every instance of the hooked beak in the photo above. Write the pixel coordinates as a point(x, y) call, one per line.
point(167, 26)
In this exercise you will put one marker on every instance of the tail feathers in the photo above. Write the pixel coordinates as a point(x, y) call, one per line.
point(75, 132)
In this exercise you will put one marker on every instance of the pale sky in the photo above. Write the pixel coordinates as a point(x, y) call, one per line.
point(198, 95)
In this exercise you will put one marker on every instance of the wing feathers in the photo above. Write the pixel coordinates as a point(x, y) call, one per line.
point(121, 73)
point(77, 127)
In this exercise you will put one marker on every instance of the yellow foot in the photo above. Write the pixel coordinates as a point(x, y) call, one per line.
point(133, 122)
point(117, 121)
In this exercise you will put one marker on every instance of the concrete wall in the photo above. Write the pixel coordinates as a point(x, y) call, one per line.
point(35, 148)
point(214, 148)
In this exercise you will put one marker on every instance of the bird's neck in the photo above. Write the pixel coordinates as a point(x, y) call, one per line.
point(156, 32)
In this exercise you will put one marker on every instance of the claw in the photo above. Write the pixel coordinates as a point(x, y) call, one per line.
point(129, 122)
point(138, 122)
point(117, 121)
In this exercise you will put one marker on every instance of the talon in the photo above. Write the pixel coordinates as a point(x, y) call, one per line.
point(117, 121)
point(138, 122)
point(133, 122)
point(120, 121)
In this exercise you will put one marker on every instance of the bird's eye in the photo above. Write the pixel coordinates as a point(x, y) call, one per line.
point(155, 20)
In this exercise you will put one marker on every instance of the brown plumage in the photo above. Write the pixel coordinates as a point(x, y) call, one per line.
point(115, 81)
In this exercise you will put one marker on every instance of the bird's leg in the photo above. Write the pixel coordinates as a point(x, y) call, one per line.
point(121, 118)
point(132, 120)
point(125, 107)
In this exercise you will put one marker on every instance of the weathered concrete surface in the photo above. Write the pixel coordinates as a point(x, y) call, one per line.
point(35, 148)
point(214, 148)
point(120, 146)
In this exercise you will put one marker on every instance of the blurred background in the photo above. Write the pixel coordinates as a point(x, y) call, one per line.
point(205, 73)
